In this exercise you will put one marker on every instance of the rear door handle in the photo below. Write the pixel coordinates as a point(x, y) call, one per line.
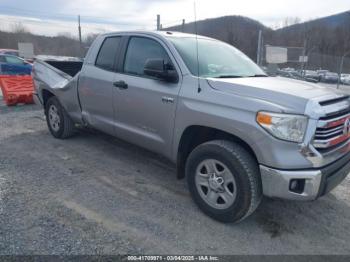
point(121, 84)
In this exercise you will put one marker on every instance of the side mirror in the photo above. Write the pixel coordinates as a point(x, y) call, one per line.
point(158, 69)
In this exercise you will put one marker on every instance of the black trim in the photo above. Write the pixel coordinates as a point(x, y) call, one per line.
point(334, 174)
point(333, 101)
point(121, 59)
point(122, 53)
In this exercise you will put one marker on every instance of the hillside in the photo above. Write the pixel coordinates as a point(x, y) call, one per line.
point(327, 37)
point(242, 32)
point(332, 21)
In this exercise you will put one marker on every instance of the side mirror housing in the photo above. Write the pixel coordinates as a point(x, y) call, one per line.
point(158, 69)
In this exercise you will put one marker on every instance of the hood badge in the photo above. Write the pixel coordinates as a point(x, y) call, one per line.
point(346, 130)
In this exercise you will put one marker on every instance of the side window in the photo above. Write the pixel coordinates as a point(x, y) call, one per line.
point(14, 60)
point(107, 54)
point(2, 59)
point(139, 50)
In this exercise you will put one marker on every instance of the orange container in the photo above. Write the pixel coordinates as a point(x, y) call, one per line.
point(17, 89)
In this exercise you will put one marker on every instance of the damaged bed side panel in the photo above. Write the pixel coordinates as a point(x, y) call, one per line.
point(62, 85)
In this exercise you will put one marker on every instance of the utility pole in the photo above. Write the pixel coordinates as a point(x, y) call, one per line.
point(258, 52)
point(303, 59)
point(79, 29)
point(183, 26)
point(341, 67)
point(158, 22)
point(308, 56)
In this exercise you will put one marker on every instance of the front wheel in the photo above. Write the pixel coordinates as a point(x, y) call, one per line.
point(58, 121)
point(224, 180)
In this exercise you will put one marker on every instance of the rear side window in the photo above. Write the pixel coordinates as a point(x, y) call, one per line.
point(14, 60)
point(2, 59)
point(107, 55)
point(139, 50)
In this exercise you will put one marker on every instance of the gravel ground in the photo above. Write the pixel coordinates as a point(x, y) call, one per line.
point(94, 194)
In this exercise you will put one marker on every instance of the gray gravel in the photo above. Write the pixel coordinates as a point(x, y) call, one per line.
point(94, 194)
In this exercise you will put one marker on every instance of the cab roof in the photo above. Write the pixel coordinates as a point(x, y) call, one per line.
point(163, 34)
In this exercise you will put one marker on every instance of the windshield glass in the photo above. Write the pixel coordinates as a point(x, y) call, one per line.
point(216, 59)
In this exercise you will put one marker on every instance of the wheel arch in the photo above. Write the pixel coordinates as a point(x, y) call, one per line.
point(46, 95)
point(195, 135)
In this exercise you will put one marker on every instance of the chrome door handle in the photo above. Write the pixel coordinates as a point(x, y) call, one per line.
point(166, 99)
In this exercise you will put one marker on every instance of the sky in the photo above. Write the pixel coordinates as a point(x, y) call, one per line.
point(53, 17)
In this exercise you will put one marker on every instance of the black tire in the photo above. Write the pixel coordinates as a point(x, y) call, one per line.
point(245, 171)
point(66, 127)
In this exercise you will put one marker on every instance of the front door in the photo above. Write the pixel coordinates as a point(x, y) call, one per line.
point(145, 107)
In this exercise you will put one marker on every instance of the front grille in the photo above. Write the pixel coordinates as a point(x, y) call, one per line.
point(333, 131)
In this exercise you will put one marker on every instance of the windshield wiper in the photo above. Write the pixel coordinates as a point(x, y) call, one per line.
point(258, 75)
point(238, 76)
point(228, 76)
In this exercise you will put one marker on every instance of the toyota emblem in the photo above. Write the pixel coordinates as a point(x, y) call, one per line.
point(346, 129)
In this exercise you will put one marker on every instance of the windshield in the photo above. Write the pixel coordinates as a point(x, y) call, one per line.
point(216, 59)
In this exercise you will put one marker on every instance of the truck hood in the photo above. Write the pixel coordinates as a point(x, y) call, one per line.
point(289, 94)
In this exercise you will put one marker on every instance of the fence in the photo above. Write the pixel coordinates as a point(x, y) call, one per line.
point(298, 60)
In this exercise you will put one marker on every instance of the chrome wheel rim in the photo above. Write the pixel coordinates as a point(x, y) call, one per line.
point(215, 184)
point(54, 118)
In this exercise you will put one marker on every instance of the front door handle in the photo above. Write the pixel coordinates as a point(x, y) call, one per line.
point(121, 84)
point(166, 99)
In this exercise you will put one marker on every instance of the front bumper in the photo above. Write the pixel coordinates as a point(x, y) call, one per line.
point(314, 183)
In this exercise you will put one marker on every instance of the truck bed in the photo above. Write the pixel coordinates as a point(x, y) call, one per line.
point(71, 68)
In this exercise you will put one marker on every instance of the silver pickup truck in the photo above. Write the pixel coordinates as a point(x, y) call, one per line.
point(233, 132)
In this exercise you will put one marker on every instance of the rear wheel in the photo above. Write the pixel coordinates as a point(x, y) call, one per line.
point(224, 180)
point(58, 121)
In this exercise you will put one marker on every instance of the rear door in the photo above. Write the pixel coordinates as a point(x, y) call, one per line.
point(96, 86)
point(145, 107)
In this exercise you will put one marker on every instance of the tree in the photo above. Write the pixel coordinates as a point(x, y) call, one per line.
point(19, 28)
point(90, 38)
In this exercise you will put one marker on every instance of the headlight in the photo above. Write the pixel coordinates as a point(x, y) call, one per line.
point(283, 126)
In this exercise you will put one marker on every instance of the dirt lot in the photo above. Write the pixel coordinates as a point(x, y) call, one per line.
point(94, 194)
